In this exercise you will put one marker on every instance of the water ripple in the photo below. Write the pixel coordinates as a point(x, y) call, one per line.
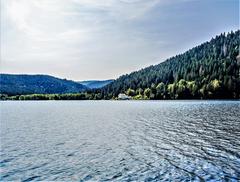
point(120, 141)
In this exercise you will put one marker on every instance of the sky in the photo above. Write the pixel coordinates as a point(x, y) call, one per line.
point(103, 39)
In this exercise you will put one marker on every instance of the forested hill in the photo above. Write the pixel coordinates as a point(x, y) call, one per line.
point(210, 70)
point(37, 84)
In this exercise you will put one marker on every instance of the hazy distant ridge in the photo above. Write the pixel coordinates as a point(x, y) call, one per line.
point(92, 84)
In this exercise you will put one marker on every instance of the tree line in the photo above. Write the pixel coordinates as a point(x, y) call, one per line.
point(208, 71)
point(70, 96)
point(178, 90)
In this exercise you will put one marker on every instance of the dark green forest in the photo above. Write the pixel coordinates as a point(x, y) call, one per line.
point(208, 71)
point(42, 84)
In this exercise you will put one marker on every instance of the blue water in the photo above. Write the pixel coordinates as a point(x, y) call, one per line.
point(120, 140)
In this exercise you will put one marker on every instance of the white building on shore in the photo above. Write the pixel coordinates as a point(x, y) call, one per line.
point(123, 97)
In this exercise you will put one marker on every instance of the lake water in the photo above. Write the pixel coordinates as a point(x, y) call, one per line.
point(120, 140)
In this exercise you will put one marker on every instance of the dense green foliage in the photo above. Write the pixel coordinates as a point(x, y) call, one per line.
point(210, 70)
point(76, 96)
point(40, 84)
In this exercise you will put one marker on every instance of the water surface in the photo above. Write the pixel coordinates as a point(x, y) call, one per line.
point(120, 140)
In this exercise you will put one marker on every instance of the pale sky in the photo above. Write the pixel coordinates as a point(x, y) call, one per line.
point(103, 39)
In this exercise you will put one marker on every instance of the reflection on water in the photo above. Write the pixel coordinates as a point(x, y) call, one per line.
point(120, 140)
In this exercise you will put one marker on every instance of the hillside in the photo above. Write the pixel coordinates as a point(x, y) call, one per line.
point(210, 70)
point(93, 84)
point(40, 84)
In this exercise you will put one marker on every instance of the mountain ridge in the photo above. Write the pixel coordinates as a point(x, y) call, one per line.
point(18, 84)
point(212, 60)
point(210, 70)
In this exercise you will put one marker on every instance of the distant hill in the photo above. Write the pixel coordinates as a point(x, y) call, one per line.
point(94, 84)
point(210, 70)
point(37, 84)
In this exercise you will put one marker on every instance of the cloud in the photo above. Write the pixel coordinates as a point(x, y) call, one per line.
point(55, 24)
point(35, 17)
point(88, 37)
